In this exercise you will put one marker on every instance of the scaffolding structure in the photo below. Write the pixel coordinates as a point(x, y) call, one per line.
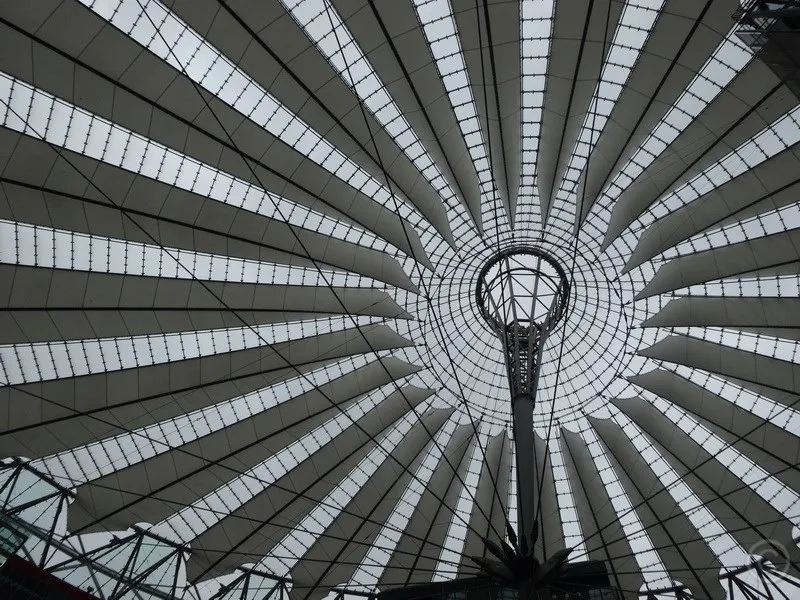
point(771, 28)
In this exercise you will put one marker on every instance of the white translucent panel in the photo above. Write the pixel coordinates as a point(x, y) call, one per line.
point(372, 565)
point(721, 543)
point(323, 25)
point(573, 536)
point(453, 544)
point(635, 24)
point(773, 222)
point(647, 558)
point(98, 459)
point(36, 246)
point(193, 520)
point(728, 59)
point(764, 345)
point(512, 498)
point(536, 24)
point(766, 224)
point(773, 412)
point(291, 549)
point(37, 113)
point(159, 30)
point(439, 26)
point(775, 138)
point(782, 498)
point(28, 363)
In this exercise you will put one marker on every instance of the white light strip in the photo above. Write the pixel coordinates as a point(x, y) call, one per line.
point(86, 463)
point(720, 542)
point(512, 497)
point(177, 44)
point(728, 60)
point(653, 570)
point(570, 524)
point(757, 344)
point(771, 489)
point(322, 24)
point(203, 514)
point(314, 525)
point(377, 557)
point(37, 246)
point(41, 115)
point(536, 17)
point(28, 363)
point(453, 544)
point(635, 24)
point(769, 410)
point(769, 142)
point(439, 27)
point(772, 222)
point(748, 286)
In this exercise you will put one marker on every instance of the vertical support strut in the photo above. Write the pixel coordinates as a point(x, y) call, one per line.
point(522, 413)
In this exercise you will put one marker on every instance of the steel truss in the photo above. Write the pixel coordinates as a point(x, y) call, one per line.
point(252, 584)
point(772, 580)
point(136, 563)
point(140, 564)
point(771, 28)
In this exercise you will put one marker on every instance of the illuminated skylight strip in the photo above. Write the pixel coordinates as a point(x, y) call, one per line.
point(42, 361)
point(570, 525)
point(720, 542)
point(536, 28)
point(314, 525)
point(512, 512)
point(41, 115)
point(764, 345)
point(774, 222)
point(769, 410)
point(782, 498)
point(749, 286)
point(453, 544)
point(37, 246)
point(322, 24)
point(439, 27)
point(653, 570)
point(769, 142)
point(720, 69)
point(636, 22)
point(177, 44)
point(206, 512)
point(86, 463)
point(374, 562)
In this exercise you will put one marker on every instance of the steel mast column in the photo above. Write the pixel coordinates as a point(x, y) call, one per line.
point(523, 363)
point(522, 412)
point(522, 293)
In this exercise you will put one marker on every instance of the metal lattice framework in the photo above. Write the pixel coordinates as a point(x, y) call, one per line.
point(240, 350)
point(522, 294)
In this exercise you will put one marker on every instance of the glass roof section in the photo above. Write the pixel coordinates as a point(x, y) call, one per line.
point(240, 350)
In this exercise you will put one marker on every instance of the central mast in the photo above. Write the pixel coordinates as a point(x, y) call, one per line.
point(522, 294)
